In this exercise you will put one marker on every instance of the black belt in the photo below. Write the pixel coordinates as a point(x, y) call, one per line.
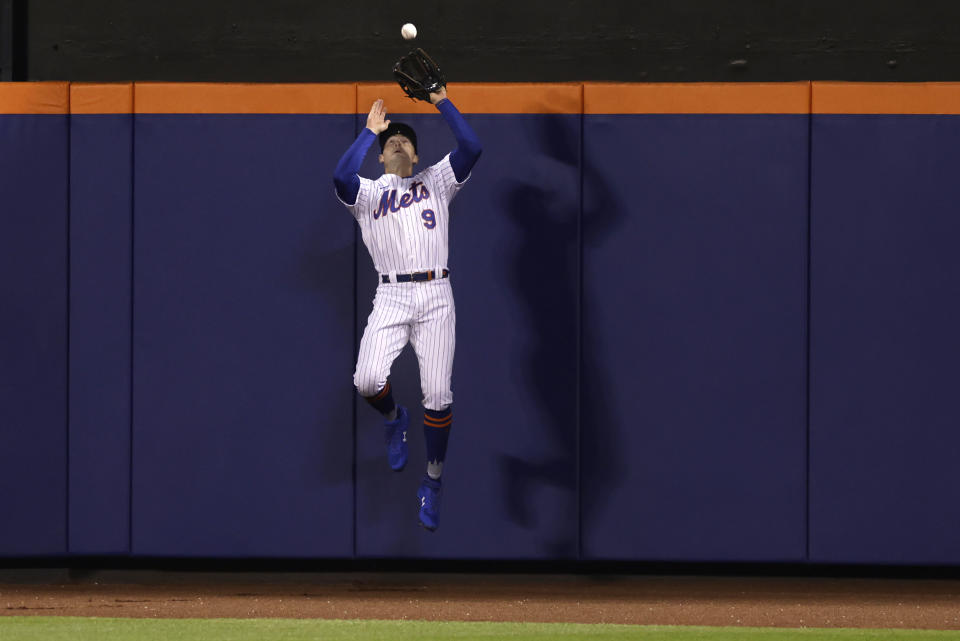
point(419, 277)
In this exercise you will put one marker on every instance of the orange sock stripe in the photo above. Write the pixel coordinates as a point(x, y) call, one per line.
point(427, 417)
point(445, 423)
point(383, 392)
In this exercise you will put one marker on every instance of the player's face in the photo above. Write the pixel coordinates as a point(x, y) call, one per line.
point(396, 146)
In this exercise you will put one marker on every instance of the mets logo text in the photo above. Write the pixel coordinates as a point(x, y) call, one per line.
point(389, 203)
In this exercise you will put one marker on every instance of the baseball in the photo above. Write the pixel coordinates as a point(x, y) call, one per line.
point(408, 31)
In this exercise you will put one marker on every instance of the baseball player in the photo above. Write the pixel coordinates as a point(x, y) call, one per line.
point(404, 220)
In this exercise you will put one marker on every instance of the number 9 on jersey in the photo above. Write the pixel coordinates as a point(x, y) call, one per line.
point(429, 218)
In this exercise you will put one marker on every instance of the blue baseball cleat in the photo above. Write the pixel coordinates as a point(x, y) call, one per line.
point(395, 432)
point(429, 496)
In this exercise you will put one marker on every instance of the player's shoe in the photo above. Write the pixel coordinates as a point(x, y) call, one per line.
point(429, 497)
point(395, 432)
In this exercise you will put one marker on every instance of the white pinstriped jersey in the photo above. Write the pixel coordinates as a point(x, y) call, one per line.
point(405, 221)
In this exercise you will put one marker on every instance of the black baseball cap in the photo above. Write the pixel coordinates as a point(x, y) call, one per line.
point(398, 128)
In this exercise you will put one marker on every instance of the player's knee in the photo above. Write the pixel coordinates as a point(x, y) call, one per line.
point(437, 400)
point(368, 385)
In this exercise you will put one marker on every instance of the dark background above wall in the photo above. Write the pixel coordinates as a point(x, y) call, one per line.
point(496, 40)
point(6, 39)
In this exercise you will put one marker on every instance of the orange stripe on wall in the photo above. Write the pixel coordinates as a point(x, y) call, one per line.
point(481, 98)
point(226, 98)
point(697, 98)
point(493, 98)
point(886, 97)
point(99, 98)
point(34, 97)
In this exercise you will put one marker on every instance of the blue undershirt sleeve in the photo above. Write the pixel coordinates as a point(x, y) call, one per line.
point(468, 150)
point(345, 176)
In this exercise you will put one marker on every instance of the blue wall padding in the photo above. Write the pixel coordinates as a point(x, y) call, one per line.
point(693, 431)
point(885, 282)
point(243, 325)
point(211, 292)
point(33, 334)
point(510, 474)
point(101, 185)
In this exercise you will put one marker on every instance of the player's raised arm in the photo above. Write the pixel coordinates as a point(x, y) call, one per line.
point(468, 150)
point(345, 176)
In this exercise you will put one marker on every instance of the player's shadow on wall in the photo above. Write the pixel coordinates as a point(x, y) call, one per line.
point(546, 213)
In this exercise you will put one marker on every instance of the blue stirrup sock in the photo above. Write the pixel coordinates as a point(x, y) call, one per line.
point(436, 432)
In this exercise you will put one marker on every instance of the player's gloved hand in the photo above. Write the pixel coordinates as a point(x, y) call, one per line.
point(419, 76)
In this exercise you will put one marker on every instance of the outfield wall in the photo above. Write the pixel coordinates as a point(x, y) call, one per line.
point(702, 322)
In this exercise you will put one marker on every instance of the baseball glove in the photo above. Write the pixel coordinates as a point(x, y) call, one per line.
point(418, 75)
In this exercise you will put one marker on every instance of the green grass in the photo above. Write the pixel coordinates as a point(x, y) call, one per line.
point(96, 629)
